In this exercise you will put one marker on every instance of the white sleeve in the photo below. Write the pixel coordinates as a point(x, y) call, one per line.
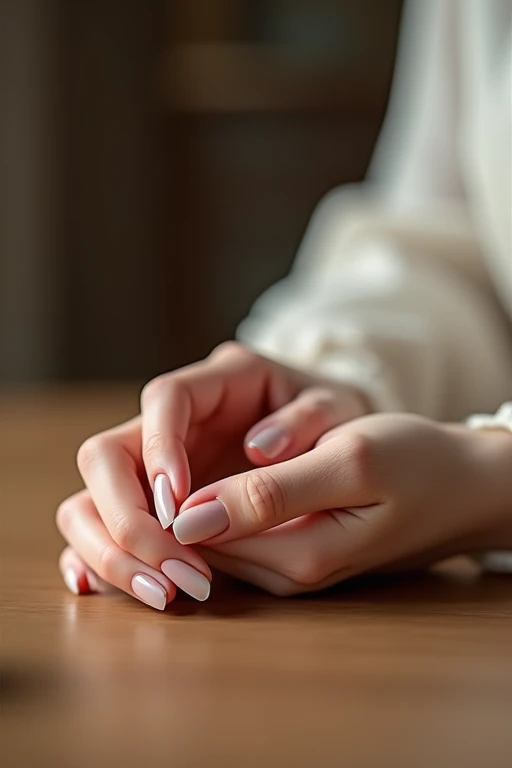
point(388, 291)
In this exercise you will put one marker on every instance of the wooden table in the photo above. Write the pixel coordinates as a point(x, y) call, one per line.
point(404, 673)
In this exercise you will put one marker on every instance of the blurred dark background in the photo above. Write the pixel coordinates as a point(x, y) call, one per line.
point(160, 161)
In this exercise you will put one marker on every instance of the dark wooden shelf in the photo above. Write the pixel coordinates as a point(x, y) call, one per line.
point(234, 77)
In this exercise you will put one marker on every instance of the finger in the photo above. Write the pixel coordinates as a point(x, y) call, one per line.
point(267, 579)
point(108, 468)
point(307, 550)
point(260, 577)
point(232, 378)
point(332, 476)
point(78, 577)
point(297, 426)
point(83, 528)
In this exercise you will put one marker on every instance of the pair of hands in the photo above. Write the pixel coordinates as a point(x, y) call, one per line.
point(282, 479)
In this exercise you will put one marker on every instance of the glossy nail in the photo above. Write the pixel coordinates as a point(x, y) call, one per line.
point(149, 591)
point(187, 578)
point(271, 441)
point(71, 581)
point(200, 523)
point(164, 501)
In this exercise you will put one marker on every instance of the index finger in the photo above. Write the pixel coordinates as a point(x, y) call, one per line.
point(233, 380)
point(109, 466)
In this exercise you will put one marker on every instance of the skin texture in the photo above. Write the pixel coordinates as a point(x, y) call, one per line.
point(327, 492)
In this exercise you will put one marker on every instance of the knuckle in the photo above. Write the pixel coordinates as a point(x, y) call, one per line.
point(107, 563)
point(175, 387)
point(264, 499)
point(325, 404)
point(357, 454)
point(153, 389)
point(230, 349)
point(154, 446)
point(318, 406)
point(64, 515)
point(91, 451)
point(123, 532)
point(361, 453)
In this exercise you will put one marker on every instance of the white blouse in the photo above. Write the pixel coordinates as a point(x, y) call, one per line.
point(403, 284)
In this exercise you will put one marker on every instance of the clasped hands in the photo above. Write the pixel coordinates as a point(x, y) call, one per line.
point(277, 477)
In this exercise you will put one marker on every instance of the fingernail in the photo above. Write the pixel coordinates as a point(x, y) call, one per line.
point(71, 581)
point(187, 578)
point(201, 522)
point(92, 582)
point(149, 591)
point(271, 441)
point(164, 500)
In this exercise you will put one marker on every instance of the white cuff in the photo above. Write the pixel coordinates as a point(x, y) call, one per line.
point(502, 419)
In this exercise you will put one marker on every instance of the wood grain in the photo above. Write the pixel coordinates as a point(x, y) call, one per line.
point(408, 672)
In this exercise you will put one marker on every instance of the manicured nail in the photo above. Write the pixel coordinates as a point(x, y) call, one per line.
point(91, 582)
point(164, 501)
point(271, 441)
point(71, 581)
point(187, 578)
point(149, 591)
point(200, 523)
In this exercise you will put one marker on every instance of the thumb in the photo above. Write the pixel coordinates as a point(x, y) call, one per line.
point(328, 477)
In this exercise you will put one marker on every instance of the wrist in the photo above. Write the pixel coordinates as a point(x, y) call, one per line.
point(490, 462)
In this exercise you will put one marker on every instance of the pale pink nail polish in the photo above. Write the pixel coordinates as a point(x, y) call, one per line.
point(149, 591)
point(187, 578)
point(164, 501)
point(271, 441)
point(200, 523)
point(71, 581)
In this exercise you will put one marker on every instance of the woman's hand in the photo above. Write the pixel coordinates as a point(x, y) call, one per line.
point(201, 423)
point(230, 411)
point(387, 491)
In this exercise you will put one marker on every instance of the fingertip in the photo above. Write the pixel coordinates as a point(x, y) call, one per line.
point(179, 473)
point(77, 577)
point(71, 580)
point(164, 499)
point(267, 443)
point(76, 581)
